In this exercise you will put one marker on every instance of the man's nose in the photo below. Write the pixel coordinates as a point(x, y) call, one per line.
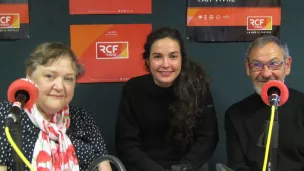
point(266, 72)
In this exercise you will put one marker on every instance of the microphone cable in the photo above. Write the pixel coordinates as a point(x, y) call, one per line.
point(17, 150)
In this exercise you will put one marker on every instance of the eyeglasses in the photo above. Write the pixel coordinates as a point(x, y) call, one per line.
point(273, 65)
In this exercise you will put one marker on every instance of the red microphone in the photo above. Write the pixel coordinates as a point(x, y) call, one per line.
point(22, 93)
point(274, 92)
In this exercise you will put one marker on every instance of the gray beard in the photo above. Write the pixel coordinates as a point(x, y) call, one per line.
point(257, 90)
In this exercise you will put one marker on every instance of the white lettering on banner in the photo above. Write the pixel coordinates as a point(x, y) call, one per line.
point(256, 22)
point(5, 19)
point(111, 49)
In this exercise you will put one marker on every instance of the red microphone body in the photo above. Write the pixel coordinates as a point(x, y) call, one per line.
point(22, 93)
point(274, 92)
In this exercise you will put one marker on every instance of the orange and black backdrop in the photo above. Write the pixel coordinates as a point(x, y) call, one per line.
point(232, 20)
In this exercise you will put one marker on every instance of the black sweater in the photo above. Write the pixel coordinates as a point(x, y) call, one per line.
point(245, 124)
point(143, 125)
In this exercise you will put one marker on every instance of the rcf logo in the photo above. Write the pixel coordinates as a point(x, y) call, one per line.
point(112, 50)
point(9, 21)
point(259, 23)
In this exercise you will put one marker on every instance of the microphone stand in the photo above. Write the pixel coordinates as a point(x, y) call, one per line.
point(272, 135)
point(274, 144)
point(15, 130)
point(14, 123)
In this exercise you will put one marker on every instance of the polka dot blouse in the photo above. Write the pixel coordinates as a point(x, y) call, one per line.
point(83, 133)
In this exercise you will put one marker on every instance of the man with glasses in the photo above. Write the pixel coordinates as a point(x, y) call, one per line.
point(267, 58)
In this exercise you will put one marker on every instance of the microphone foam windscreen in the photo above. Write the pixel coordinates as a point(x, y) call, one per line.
point(284, 93)
point(26, 85)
